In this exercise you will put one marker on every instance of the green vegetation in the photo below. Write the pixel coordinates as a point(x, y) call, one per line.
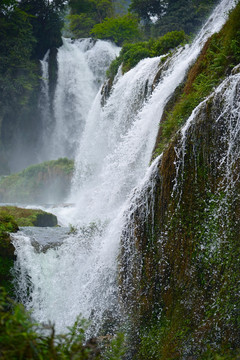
point(10, 218)
point(85, 14)
point(171, 14)
point(220, 54)
point(105, 19)
point(45, 182)
point(28, 28)
point(80, 25)
point(119, 29)
point(18, 73)
point(7, 224)
point(181, 284)
point(46, 20)
point(131, 54)
point(20, 338)
point(29, 217)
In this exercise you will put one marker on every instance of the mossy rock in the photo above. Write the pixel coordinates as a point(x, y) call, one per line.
point(7, 256)
point(30, 217)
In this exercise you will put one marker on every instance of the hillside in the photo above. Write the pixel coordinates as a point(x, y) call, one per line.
point(48, 182)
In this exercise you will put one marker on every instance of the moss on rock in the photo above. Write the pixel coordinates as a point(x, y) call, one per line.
point(7, 257)
point(180, 252)
point(30, 217)
point(218, 57)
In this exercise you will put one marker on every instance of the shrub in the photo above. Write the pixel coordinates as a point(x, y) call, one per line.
point(80, 25)
point(131, 54)
point(120, 29)
point(20, 338)
point(168, 42)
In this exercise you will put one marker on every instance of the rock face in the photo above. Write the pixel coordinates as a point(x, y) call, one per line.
point(179, 262)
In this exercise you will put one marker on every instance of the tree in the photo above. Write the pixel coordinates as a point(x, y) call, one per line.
point(80, 25)
point(172, 15)
point(18, 73)
point(97, 9)
point(122, 28)
point(16, 44)
point(86, 13)
point(148, 8)
point(46, 21)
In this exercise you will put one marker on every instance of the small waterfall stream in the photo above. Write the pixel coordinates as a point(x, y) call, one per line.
point(114, 143)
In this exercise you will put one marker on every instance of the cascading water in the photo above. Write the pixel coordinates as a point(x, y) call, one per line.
point(223, 160)
point(64, 113)
point(114, 152)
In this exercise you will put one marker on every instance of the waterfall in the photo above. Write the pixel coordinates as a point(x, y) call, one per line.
point(223, 160)
point(114, 143)
point(82, 65)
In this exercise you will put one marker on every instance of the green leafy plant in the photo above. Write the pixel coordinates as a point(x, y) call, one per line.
point(119, 29)
point(131, 54)
point(21, 338)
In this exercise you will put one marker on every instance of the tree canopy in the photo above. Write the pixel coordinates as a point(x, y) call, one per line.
point(148, 8)
point(119, 29)
point(172, 14)
point(86, 13)
point(46, 21)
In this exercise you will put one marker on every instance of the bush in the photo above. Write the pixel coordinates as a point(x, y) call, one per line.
point(168, 42)
point(120, 29)
point(20, 338)
point(80, 25)
point(131, 54)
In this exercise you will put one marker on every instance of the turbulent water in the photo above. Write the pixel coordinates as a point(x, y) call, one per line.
point(114, 145)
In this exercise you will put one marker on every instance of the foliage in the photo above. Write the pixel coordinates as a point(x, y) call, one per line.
point(99, 9)
point(48, 181)
point(131, 54)
point(219, 56)
point(7, 224)
point(29, 217)
point(85, 14)
point(148, 8)
point(121, 6)
point(177, 18)
point(120, 29)
point(17, 71)
point(46, 21)
point(20, 338)
point(172, 15)
point(182, 278)
point(168, 41)
point(117, 349)
point(28, 28)
point(80, 25)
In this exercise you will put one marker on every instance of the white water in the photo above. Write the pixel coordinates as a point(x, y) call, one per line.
point(112, 158)
point(226, 100)
point(78, 81)
point(44, 103)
